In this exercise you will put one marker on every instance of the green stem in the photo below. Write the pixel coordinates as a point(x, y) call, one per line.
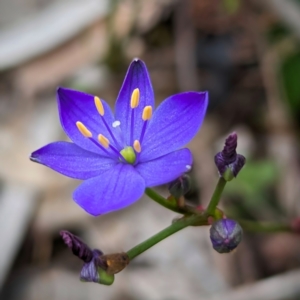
point(216, 197)
point(162, 201)
point(262, 227)
point(176, 226)
point(195, 219)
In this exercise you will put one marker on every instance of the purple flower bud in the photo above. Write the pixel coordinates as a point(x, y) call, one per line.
point(89, 271)
point(78, 247)
point(228, 162)
point(95, 271)
point(97, 267)
point(225, 235)
point(180, 186)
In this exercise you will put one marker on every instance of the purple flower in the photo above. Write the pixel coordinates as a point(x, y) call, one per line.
point(119, 155)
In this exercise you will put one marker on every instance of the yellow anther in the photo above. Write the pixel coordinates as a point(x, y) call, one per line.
point(147, 113)
point(103, 141)
point(135, 98)
point(137, 146)
point(99, 105)
point(83, 130)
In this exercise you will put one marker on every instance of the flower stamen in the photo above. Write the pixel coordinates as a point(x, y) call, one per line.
point(135, 98)
point(99, 106)
point(86, 133)
point(146, 116)
point(103, 141)
point(100, 109)
point(134, 102)
point(83, 130)
point(137, 146)
point(147, 113)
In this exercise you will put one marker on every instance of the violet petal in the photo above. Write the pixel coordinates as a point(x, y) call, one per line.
point(175, 122)
point(78, 106)
point(137, 77)
point(166, 168)
point(116, 188)
point(71, 160)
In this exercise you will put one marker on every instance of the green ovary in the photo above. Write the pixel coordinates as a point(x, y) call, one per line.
point(128, 154)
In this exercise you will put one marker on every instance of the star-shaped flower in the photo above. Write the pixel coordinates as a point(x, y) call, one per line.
point(119, 155)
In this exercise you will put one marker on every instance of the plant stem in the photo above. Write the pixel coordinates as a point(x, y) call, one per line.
point(262, 227)
point(216, 197)
point(192, 217)
point(162, 201)
point(176, 226)
point(197, 219)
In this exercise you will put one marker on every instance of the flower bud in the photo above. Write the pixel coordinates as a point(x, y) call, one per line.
point(78, 247)
point(225, 235)
point(93, 269)
point(180, 186)
point(228, 162)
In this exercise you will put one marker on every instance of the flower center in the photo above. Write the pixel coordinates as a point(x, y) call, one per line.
point(127, 154)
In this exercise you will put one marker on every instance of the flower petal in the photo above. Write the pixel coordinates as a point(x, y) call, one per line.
point(174, 123)
point(137, 77)
point(166, 168)
point(78, 106)
point(117, 188)
point(71, 160)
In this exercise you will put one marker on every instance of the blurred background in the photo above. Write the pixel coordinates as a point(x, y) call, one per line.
point(246, 53)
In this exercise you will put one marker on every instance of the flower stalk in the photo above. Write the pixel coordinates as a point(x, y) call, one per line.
point(162, 201)
point(196, 218)
point(185, 210)
point(173, 228)
point(201, 220)
point(210, 211)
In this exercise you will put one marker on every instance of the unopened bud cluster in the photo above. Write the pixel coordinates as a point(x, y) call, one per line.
point(228, 162)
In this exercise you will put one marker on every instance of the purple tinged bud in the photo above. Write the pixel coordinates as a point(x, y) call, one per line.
point(94, 268)
point(180, 186)
point(225, 235)
point(94, 271)
point(78, 247)
point(228, 162)
point(89, 271)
